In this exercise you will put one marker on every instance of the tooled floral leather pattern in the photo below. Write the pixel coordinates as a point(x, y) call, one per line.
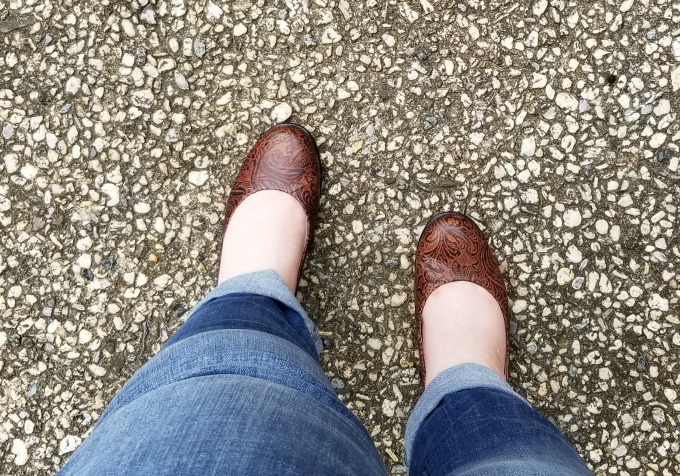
point(284, 158)
point(452, 248)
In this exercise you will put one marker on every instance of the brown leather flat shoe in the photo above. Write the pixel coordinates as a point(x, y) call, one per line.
point(452, 248)
point(284, 158)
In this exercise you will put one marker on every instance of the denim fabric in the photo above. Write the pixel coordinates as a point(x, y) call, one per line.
point(264, 283)
point(238, 390)
point(235, 311)
point(236, 402)
point(469, 422)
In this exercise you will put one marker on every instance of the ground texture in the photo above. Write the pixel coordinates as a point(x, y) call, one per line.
point(553, 123)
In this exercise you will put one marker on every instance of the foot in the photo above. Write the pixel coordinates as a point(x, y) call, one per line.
point(462, 323)
point(271, 206)
point(268, 230)
point(461, 300)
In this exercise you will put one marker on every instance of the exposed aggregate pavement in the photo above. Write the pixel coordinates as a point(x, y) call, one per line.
point(554, 123)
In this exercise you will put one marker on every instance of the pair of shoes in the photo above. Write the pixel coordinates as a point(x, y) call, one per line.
point(451, 248)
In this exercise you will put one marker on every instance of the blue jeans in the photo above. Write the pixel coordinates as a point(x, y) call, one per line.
point(238, 390)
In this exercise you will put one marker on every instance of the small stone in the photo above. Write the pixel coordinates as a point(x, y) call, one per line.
point(84, 336)
point(199, 48)
point(658, 302)
point(213, 12)
point(7, 131)
point(162, 281)
point(142, 207)
point(429, 122)
point(572, 218)
point(113, 192)
point(539, 7)
point(148, 15)
point(337, 383)
point(166, 64)
point(670, 394)
point(20, 452)
point(566, 101)
point(663, 107)
point(281, 112)
point(532, 348)
point(538, 80)
point(29, 171)
point(574, 254)
point(140, 57)
point(657, 140)
point(72, 85)
point(330, 36)
point(181, 81)
point(177, 8)
point(398, 299)
point(577, 283)
point(11, 163)
point(528, 147)
point(626, 5)
point(374, 343)
point(85, 260)
point(675, 79)
point(198, 177)
point(69, 444)
point(143, 98)
point(240, 29)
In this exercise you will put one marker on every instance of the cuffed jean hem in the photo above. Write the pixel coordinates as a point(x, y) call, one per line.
point(453, 379)
point(264, 283)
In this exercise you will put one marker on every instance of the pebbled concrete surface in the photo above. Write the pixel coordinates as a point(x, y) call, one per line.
point(553, 123)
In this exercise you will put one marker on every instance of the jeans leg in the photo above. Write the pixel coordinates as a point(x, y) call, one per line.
point(470, 422)
point(239, 391)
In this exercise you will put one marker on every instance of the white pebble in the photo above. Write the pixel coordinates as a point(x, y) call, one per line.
point(281, 112)
point(657, 302)
point(539, 7)
point(398, 299)
point(72, 85)
point(574, 255)
point(374, 343)
point(240, 30)
point(572, 218)
point(113, 192)
point(85, 260)
point(528, 147)
point(626, 5)
point(657, 140)
point(602, 227)
point(198, 177)
point(663, 108)
point(213, 12)
point(84, 336)
point(162, 281)
point(11, 163)
point(538, 80)
point(97, 371)
point(159, 225)
point(330, 36)
point(69, 444)
point(142, 207)
point(675, 78)
point(29, 171)
point(566, 101)
point(20, 452)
